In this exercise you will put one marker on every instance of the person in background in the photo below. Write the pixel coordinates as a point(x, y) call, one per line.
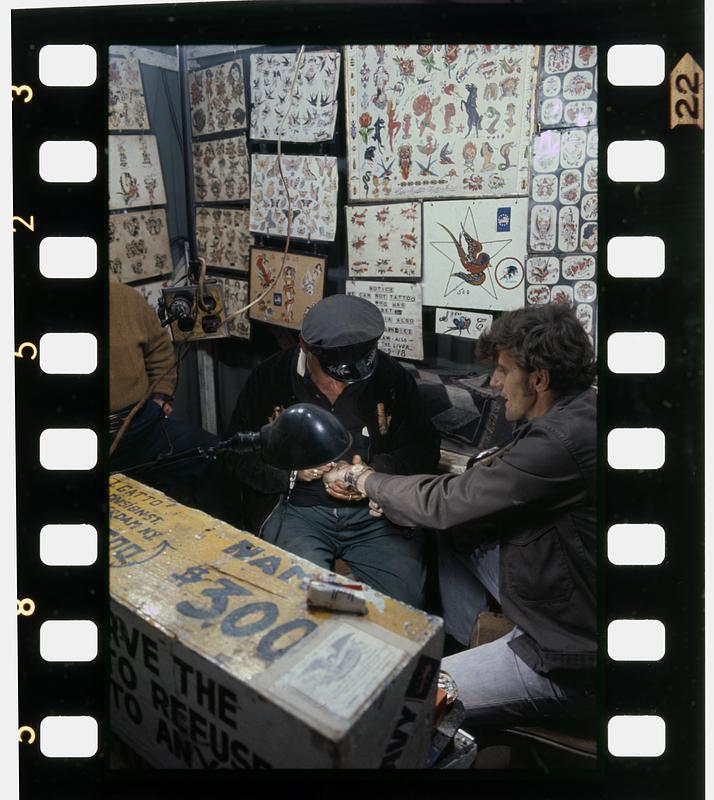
point(141, 363)
point(337, 365)
point(521, 525)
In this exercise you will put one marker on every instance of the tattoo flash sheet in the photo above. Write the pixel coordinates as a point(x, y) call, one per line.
point(220, 169)
point(135, 177)
point(563, 215)
point(400, 304)
point(568, 86)
point(313, 109)
point(568, 279)
point(138, 246)
point(474, 251)
point(438, 120)
point(223, 238)
point(127, 107)
point(235, 297)
point(466, 324)
point(298, 289)
point(384, 240)
point(217, 98)
point(312, 182)
point(151, 292)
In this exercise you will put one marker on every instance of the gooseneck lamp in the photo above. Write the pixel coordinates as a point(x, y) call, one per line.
point(302, 437)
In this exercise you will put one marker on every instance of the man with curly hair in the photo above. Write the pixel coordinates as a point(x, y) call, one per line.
point(521, 525)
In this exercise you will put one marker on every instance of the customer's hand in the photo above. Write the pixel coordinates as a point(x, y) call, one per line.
point(335, 484)
point(341, 491)
point(164, 405)
point(309, 475)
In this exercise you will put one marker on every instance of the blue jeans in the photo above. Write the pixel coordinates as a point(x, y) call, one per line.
point(495, 685)
point(381, 555)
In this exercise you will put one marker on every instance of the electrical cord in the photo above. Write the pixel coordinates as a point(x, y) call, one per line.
point(298, 64)
point(149, 392)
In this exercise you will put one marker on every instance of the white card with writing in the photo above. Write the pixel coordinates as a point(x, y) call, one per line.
point(464, 324)
point(400, 304)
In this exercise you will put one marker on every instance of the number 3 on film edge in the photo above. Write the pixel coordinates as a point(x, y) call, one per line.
point(20, 90)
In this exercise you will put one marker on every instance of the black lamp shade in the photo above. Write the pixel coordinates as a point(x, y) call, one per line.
point(304, 436)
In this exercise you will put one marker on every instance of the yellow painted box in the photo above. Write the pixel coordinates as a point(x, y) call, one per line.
point(217, 661)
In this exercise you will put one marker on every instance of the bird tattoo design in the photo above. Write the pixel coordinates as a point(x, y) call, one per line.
point(474, 259)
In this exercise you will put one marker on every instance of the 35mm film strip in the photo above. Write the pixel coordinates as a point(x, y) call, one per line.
point(650, 320)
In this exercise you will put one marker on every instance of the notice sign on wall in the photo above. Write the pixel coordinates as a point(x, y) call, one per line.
point(400, 304)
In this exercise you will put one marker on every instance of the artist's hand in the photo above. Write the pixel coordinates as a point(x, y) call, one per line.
point(164, 405)
point(337, 472)
point(375, 510)
point(341, 491)
point(309, 475)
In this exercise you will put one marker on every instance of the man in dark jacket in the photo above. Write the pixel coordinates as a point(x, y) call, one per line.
point(337, 366)
point(522, 525)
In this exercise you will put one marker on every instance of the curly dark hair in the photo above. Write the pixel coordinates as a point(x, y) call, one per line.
point(544, 337)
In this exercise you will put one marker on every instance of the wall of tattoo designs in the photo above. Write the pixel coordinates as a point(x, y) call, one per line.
point(219, 120)
point(237, 109)
point(140, 251)
point(464, 178)
point(459, 200)
point(138, 235)
point(563, 219)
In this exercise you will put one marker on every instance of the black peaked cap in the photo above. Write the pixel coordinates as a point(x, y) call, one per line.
point(342, 320)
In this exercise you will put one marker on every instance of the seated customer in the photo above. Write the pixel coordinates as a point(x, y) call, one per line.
point(522, 525)
point(337, 366)
point(141, 360)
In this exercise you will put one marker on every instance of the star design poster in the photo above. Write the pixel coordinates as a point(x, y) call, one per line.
point(474, 252)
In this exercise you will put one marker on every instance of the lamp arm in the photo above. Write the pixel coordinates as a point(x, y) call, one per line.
point(242, 442)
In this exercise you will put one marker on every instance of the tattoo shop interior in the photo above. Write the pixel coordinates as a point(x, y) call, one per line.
point(299, 234)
